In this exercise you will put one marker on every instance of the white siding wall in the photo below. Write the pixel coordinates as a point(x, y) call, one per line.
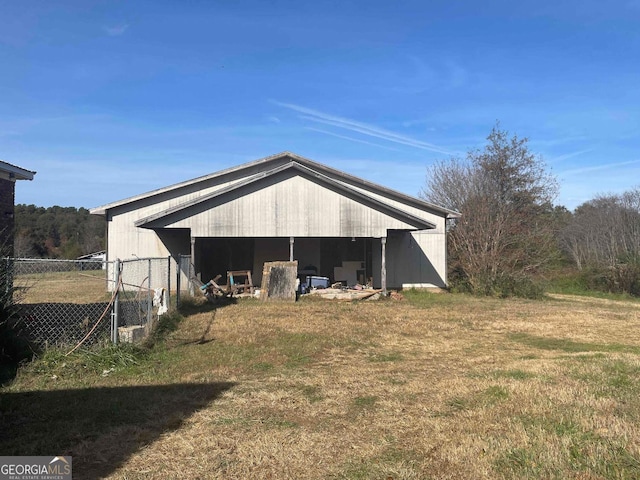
point(293, 207)
point(438, 220)
point(417, 259)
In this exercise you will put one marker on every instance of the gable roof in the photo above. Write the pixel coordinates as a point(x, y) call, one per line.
point(14, 172)
point(304, 171)
point(270, 165)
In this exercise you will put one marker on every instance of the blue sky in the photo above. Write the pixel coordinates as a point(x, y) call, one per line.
point(108, 99)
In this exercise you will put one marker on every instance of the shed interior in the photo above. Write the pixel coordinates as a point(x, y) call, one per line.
point(348, 260)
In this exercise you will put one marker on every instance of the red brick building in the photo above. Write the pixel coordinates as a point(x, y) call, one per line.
point(8, 176)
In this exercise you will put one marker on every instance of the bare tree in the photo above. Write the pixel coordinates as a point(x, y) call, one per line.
point(605, 231)
point(504, 193)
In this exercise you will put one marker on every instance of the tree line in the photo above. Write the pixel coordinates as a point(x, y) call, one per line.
point(510, 233)
point(57, 232)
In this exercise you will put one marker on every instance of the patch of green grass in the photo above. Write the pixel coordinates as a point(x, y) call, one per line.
point(494, 394)
point(518, 463)
point(589, 357)
point(167, 323)
point(620, 375)
point(576, 283)
point(614, 378)
point(584, 451)
point(312, 393)
point(570, 346)
point(263, 366)
point(85, 364)
point(488, 397)
point(299, 348)
point(269, 353)
point(621, 463)
point(277, 422)
point(368, 401)
point(233, 355)
point(391, 463)
point(458, 403)
point(560, 425)
point(356, 470)
point(425, 299)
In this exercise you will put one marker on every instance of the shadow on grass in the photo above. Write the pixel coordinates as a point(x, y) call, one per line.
point(100, 427)
point(195, 305)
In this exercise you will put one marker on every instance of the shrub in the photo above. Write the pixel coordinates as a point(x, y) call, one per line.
point(504, 286)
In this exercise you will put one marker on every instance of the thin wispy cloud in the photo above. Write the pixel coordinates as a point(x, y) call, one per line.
point(361, 127)
point(537, 143)
point(595, 168)
point(351, 139)
point(116, 30)
point(567, 156)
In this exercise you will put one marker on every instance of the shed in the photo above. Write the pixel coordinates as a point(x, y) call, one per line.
point(286, 207)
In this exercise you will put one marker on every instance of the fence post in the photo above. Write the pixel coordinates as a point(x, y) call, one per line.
point(116, 302)
point(169, 281)
point(149, 299)
point(178, 286)
point(7, 277)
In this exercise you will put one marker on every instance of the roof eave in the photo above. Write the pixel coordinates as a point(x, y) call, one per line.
point(15, 172)
point(102, 210)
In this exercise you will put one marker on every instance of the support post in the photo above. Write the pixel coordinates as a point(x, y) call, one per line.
point(169, 281)
point(178, 284)
point(192, 266)
point(8, 276)
point(291, 249)
point(149, 297)
point(115, 313)
point(383, 272)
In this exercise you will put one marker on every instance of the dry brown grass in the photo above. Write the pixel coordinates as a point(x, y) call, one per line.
point(436, 386)
point(62, 287)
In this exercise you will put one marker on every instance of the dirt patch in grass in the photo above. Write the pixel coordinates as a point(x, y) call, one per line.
point(437, 386)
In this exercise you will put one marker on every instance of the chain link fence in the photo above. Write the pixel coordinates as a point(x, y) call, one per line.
point(66, 302)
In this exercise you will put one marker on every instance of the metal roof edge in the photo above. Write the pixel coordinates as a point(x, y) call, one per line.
point(156, 216)
point(19, 172)
point(101, 210)
point(384, 191)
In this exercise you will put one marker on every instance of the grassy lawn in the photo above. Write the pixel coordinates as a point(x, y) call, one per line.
point(63, 287)
point(432, 386)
